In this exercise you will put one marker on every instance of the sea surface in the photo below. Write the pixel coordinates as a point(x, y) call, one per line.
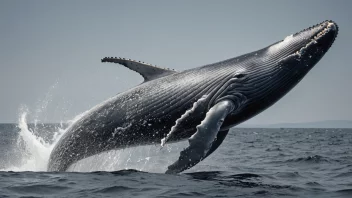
point(254, 162)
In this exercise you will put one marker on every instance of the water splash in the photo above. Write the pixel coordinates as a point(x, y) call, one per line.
point(32, 148)
point(33, 145)
point(148, 158)
point(36, 151)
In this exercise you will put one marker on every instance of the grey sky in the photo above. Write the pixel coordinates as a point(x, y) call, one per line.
point(51, 51)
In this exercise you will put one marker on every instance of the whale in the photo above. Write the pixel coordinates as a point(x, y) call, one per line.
point(200, 105)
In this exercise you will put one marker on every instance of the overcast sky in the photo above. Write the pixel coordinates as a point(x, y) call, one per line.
point(50, 51)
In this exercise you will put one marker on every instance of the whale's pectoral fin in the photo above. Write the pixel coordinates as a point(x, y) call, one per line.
point(200, 144)
point(186, 118)
point(148, 71)
point(219, 139)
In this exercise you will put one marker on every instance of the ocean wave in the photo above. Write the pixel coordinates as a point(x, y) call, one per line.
point(288, 175)
point(346, 174)
point(114, 189)
point(37, 189)
point(345, 191)
point(116, 173)
point(243, 180)
point(274, 149)
point(310, 159)
point(315, 184)
point(221, 176)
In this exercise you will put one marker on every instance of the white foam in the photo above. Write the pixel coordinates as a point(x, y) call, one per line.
point(34, 150)
point(148, 158)
point(31, 151)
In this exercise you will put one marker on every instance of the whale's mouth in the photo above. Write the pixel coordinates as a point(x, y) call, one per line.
point(327, 27)
point(312, 42)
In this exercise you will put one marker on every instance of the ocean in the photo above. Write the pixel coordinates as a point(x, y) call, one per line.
point(251, 162)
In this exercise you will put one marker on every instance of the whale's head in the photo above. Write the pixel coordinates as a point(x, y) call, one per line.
point(298, 53)
point(270, 73)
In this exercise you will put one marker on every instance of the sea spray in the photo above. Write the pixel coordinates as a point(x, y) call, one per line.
point(35, 142)
point(32, 149)
point(148, 158)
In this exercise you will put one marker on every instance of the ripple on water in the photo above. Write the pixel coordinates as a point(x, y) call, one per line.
point(289, 175)
point(346, 174)
point(313, 184)
point(38, 189)
point(310, 159)
point(345, 191)
point(274, 167)
point(114, 189)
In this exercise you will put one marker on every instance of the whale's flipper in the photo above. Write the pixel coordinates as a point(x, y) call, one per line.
point(186, 118)
point(219, 139)
point(200, 144)
point(148, 71)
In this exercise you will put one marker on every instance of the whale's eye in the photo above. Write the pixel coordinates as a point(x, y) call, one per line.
point(240, 75)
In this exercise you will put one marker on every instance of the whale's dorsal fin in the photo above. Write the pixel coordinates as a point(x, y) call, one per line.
point(148, 71)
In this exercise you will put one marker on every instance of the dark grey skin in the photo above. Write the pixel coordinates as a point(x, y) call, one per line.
point(201, 104)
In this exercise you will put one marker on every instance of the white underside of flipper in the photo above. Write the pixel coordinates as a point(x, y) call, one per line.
point(201, 141)
point(197, 104)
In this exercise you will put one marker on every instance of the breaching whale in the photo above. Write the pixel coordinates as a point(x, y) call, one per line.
point(200, 104)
